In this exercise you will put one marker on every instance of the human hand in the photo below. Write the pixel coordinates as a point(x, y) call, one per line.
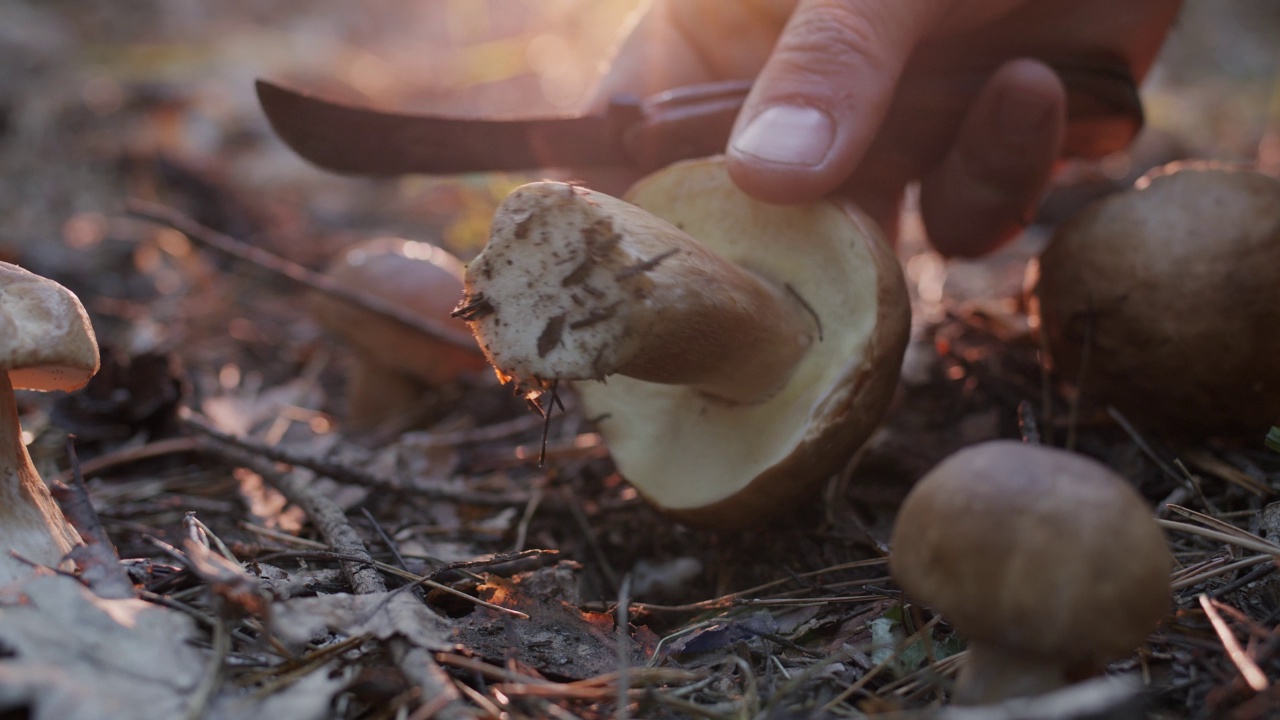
point(861, 97)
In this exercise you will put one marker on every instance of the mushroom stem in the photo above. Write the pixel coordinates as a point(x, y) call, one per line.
point(578, 285)
point(992, 673)
point(34, 526)
point(378, 392)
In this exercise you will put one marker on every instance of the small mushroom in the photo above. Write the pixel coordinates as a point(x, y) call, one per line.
point(1164, 301)
point(1047, 561)
point(46, 343)
point(743, 367)
point(394, 365)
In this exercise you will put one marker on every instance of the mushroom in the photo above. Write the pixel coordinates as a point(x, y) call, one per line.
point(46, 343)
point(393, 365)
point(743, 367)
point(1047, 561)
point(1164, 300)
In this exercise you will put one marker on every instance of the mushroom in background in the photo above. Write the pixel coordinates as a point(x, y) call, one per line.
point(734, 354)
point(46, 343)
point(1047, 561)
point(394, 365)
point(1164, 301)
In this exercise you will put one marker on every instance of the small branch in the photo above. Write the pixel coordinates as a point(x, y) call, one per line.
point(1253, 675)
point(98, 559)
point(200, 697)
point(210, 238)
point(328, 517)
point(1255, 543)
point(341, 472)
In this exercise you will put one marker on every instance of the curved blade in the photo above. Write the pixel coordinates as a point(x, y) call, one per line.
point(1104, 113)
point(360, 141)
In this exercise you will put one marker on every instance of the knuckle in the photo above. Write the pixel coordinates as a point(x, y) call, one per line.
point(830, 37)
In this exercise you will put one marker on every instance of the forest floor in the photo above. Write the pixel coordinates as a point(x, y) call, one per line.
point(215, 448)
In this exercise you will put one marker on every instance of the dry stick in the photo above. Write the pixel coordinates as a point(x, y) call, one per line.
point(729, 599)
point(1253, 675)
point(344, 472)
point(1216, 524)
point(98, 559)
point(1255, 543)
point(1224, 471)
point(624, 649)
point(1150, 452)
point(416, 663)
point(199, 705)
point(1249, 577)
point(324, 553)
point(208, 237)
point(1196, 578)
point(123, 456)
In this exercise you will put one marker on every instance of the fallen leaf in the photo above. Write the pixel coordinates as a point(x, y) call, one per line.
point(381, 615)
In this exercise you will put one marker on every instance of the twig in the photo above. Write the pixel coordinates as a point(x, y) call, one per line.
point(1253, 675)
point(1249, 577)
point(210, 238)
point(730, 599)
point(1187, 580)
point(589, 537)
point(123, 456)
point(1216, 524)
point(199, 706)
point(341, 471)
point(98, 559)
point(1255, 543)
point(323, 553)
point(624, 649)
point(1145, 447)
point(332, 523)
point(526, 518)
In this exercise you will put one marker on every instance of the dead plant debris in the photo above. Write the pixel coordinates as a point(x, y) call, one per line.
point(477, 560)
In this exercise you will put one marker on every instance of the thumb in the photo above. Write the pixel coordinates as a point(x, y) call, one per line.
point(822, 95)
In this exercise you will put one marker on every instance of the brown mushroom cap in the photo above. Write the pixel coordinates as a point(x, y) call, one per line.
point(1175, 288)
point(46, 341)
point(1034, 549)
point(721, 464)
point(417, 277)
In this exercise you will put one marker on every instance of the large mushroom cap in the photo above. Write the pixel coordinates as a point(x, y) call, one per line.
point(1164, 300)
point(1035, 549)
point(46, 341)
point(729, 465)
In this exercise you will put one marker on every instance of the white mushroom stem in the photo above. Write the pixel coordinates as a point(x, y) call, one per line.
point(31, 524)
point(577, 285)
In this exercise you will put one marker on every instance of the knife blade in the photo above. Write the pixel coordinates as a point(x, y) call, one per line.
point(1104, 113)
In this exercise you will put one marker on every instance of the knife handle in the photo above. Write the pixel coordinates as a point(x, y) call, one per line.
point(687, 122)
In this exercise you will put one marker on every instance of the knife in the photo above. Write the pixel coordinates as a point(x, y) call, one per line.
point(1103, 108)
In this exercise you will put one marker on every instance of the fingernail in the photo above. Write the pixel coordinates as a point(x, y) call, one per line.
point(1022, 117)
point(787, 135)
